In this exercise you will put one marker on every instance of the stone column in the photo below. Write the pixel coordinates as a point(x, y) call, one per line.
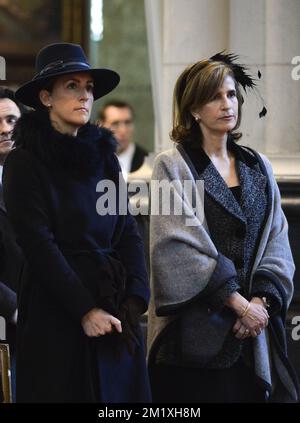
point(266, 36)
point(190, 30)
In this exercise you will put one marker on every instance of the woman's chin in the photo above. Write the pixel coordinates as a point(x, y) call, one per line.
point(80, 122)
point(226, 127)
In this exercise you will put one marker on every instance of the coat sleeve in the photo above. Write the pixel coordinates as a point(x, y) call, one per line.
point(185, 264)
point(27, 209)
point(277, 264)
point(131, 251)
point(263, 287)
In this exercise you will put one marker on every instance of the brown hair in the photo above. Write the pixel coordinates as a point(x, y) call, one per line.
point(49, 84)
point(120, 104)
point(195, 87)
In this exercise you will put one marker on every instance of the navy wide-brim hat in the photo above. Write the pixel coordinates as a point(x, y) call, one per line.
point(60, 59)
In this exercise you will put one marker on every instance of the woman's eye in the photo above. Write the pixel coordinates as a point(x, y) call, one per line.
point(72, 85)
point(90, 88)
point(232, 94)
point(11, 121)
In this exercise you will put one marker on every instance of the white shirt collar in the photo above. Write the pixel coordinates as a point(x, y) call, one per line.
point(125, 159)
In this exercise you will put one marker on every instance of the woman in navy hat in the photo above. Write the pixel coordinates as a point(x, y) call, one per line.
point(84, 285)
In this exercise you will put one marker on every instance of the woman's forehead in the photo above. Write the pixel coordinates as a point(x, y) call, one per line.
point(228, 83)
point(77, 76)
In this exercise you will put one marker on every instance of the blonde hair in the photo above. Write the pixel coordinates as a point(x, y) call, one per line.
point(195, 87)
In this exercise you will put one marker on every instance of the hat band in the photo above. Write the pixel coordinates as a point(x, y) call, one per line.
point(60, 64)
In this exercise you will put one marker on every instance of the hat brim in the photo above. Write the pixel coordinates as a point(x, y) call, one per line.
point(105, 80)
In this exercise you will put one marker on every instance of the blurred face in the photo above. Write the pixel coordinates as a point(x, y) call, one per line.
point(70, 101)
point(220, 114)
point(9, 114)
point(120, 121)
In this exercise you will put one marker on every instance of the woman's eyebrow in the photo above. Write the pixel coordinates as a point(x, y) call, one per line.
point(10, 116)
point(78, 80)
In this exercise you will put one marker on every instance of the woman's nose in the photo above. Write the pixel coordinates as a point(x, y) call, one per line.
point(225, 102)
point(5, 128)
point(84, 94)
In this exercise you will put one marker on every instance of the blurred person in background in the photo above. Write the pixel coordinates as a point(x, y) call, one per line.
point(118, 116)
point(11, 259)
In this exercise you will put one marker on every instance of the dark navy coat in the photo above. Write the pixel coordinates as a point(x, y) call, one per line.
point(11, 263)
point(50, 194)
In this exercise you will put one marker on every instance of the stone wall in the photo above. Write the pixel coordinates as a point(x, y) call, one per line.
point(124, 49)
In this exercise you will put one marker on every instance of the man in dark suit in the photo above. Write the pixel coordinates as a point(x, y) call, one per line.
point(118, 116)
point(11, 260)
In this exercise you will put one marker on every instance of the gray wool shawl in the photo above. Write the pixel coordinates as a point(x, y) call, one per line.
point(183, 259)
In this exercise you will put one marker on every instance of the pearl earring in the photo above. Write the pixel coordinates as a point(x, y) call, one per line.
point(197, 119)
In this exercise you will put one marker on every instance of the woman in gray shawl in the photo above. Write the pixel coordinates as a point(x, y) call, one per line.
point(222, 279)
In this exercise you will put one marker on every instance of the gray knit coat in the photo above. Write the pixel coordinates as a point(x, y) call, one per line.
point(186, 262)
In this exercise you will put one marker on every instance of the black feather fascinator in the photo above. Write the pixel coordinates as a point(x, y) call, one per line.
point(241, 74)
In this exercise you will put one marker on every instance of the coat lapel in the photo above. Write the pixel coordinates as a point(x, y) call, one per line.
point(252, 181)
point(216, 187)
point(253, 185)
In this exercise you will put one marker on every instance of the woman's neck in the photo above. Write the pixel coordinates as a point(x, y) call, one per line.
point(62, 126)
point(215, 145)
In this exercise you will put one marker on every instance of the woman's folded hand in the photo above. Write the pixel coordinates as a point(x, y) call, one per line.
point(253, 317)
point(240, 330)
point(257, 317)
point(98, 322)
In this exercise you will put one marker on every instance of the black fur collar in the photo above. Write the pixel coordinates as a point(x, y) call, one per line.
point(80, 155)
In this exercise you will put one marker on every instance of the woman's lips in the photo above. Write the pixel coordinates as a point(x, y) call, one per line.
point(82, 109)
point(227, 117)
